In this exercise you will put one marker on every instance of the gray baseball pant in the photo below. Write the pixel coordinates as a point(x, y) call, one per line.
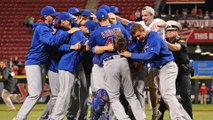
point(54, 88)
point(167, 75)
point(117, 75)
point(81, 93)
point(67, 81)
point(36, 76)
point(97, 78)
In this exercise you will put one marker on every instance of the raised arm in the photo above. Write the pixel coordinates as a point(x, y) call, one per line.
point(123, 20)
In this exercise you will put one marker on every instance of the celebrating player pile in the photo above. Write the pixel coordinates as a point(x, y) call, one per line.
point(93, 55)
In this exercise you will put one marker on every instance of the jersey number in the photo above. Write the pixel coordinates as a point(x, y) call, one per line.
point(109, 41)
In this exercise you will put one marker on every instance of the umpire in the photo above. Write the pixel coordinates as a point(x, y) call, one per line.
point(179, 49)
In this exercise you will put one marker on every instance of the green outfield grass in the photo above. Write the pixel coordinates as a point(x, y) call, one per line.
point(201, 112)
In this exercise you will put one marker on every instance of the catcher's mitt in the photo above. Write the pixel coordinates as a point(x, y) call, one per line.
point(120, 43)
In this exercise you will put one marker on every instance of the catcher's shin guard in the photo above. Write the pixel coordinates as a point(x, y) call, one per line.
point(98, 104)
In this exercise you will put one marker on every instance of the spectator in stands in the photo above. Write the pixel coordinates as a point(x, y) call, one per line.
point(200, 13)
point(185, 12)
point(203, 93)
point(177, 14)
point(10, 87)
point(206, 16)
point(211, 92)
point(138, 15)
point(132, 17)
point(194, 12)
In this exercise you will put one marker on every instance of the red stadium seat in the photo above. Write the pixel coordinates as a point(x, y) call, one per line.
point(13, 34)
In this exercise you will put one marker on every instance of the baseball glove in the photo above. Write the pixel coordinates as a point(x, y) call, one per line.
point(120, 43)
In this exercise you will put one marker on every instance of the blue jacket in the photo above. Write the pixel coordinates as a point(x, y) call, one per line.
point(70, 60)
point(42, 39)
point(56, 52)
point(154, 51)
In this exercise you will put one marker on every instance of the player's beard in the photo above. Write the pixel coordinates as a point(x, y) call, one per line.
point(51, 21)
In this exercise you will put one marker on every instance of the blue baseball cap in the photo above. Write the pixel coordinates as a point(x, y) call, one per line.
point(91, 25)
point(64, 16)
point(74, 11)
point(49, 10)
point(114, 9)
point(101, 13)
point(87, 13)
point(105, 7)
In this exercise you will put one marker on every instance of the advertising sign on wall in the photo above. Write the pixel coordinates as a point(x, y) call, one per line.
point(203, 68)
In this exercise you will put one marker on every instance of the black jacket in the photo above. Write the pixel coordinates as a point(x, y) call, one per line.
point(9, 80)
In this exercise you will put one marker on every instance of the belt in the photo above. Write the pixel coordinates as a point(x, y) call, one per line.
point(111, 58)
point(164, 64)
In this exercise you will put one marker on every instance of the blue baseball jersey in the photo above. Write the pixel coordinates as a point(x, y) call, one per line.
point(96, 60)
point(119, 23)
point(105, 35)
point(42, 39)
point(70, 60)
point(155, 51)
point(56, 53)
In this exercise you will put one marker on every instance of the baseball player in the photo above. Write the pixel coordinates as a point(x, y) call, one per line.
point(135, 76)
point(114, 9)
point(116, 69)
point(87, 26)
point(76, 14)
point(80, 92)
point(97, 78)
point(114, 20)
point(179, 50)
point(105, 7)
point(151, 24)
point(155, 51)
point(38, 56)
point(67, 68)
point(55, 55)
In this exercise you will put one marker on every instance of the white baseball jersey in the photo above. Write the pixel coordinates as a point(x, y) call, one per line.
point(160, 30)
